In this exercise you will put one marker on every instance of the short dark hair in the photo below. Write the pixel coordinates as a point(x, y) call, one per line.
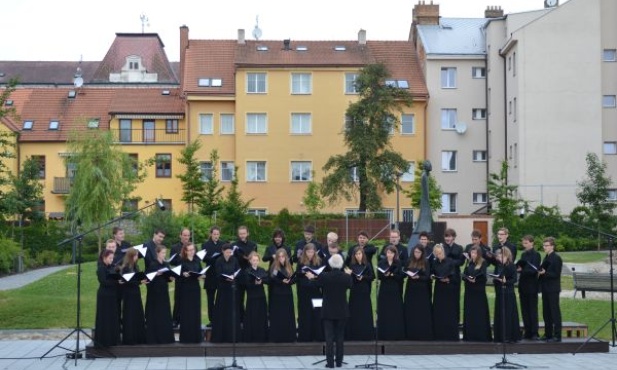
point(450, 232)
point(550, 240)
point(159, 231)
point(214, 228)
point(423, 233)
point(476, 233)
point(363, 233)
point(309, 229)
point(529, 238)
point(115, 230)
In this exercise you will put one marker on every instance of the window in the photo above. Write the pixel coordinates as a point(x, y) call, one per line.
point(8, 103)
point(478, 72)
point(408, 126)
point(255, 171)
point(149, 131)
point(256, 83)
point(353, 173)
point(448, 160)
point(40, 161)
point(203, 82)
point(206, 171)
point(54, 125)
point(134, 159)
point(448, 119)
point(28, 125)
point(514, 64)
point(610, 147)
point(448, 78)
point(205, 124)
point(257, 212)
point(301, 171)
point(256, 123)
point(126, 130)
point(301, 123)
point(301, 83)
point(479, 198)
point(608, 101)
point(478, 113)
point(510, 107)
point(217, 82)
point(227, 171)
point(407, 214)
point(163, 165)
point(479, 155)
point(389, 122)
point(409, 176)
point(609, 55)
point(612, 195)
point(129, 205)
point(228, 124)
point(448, 203)
point(171, 126)
point(350, 83)
point(514, 109)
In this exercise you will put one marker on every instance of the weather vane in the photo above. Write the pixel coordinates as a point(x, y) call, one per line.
point(144, 21)
point(256, 30)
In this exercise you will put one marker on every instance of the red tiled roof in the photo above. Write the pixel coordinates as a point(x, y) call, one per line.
point(19, 97)
point(146, 45)
point(44, 73)
point(210, 59)
point(146, 101)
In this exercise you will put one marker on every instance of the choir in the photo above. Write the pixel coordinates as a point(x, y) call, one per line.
point(417, 295)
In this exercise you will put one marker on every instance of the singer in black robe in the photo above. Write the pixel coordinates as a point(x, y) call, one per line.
point(159, 324)
point(255, 326)
point(445, 296)
point(476, 314)
point(133, 319)
point(227, 305)
point(390, 315)
point(281, 307)
point(107, 327)
point(505, 300)
point(360, 323)
point(417, 306)
point(213, 247)
point(310, 328)
point(190, 295)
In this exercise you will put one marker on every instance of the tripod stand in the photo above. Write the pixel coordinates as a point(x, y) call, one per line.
point(376, 365)
point(504, 364)
point(234, 363)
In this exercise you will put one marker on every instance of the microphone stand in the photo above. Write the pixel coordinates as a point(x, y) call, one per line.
point(76, 353)
point(234, 363)
point(504, 364)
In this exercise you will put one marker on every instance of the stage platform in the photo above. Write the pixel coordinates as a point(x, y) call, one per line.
point(208, 349)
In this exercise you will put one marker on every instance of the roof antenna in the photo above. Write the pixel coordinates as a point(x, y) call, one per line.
point(256, 30)
point(78, 81)
point(144, 21)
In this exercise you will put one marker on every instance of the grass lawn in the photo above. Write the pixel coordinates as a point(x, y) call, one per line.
point(583, 257)
point(51, 303)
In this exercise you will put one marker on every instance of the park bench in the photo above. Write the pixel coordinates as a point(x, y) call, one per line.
point(593, 282)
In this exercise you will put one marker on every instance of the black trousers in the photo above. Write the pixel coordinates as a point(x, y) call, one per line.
point(211, 296)
point(334, 331)
point(529, 310)
point(551, 314)
point(176, 312)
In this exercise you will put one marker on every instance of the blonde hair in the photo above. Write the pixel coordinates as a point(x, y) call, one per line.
point(314, 261)
point(479, 260)
point(129, 259)
point(276, 265)
point(506, 255)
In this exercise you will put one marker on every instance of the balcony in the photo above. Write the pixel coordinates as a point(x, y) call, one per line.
point(148, 136)
point(62, 185)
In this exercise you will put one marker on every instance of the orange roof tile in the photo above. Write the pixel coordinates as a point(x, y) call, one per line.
point(146, 101)
point(210, 59)
point(60, 73)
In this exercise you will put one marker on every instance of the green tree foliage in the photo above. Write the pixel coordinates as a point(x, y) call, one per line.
point(104, 177)
point(193, 188)
point(234, 208)
point(312, 198)
point(26, 192)
point(367, 138)
point(7, 143)
point(211, 202)
point(415, 190)
point(505, 204)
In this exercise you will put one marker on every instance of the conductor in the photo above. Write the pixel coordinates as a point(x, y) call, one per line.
point(335, 310)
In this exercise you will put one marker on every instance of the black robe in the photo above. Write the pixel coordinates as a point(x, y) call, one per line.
point(281, 311)
point(390, 314)
point(189, 293)
point(255, 326)
point(271, 250)
point(310, 328)
point(133, 320)
point(159, 325)
point(445, 306)
point(213, 252)
point(107, 326)
point(476, 314)
point(504, 297)
point(227, 305)
point(360, 324)
point(418, 309)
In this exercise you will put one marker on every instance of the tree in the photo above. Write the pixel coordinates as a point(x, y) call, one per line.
point(415, 190)
point(370, 121)
point(505, 205)
point(312, 197)
point(193, 186)
point(233, 208)
point(211, 202)
point(7, 143)
point(104, 178)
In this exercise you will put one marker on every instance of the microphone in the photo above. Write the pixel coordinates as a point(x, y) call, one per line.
point(160, 204)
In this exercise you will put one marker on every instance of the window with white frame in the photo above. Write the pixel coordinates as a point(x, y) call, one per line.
point(228, 124)
point(407, 214)
point(448, 77)
point(612, 195)
point(206, 171)
point(514, 109)
point(257, 211)
point(256, 171)
point(478, 113)
point(478, 72)
point(206, 126)
point(448, 203)
point(609, 55)
point(256, 123)
point(479, 198)
point(609, 101)
point(301, 171)
point(408, 125)
point(448, 118)
point(301, 83)
point(301, 123)
point(256, 83)
point(448, 160)
point(409, 175)
point(227, 171)
point(353, 173)
point(479, 156)
point(610, 147)
point(350, 83)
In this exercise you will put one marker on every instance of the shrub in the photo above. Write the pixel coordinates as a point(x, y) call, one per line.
point(9, 251)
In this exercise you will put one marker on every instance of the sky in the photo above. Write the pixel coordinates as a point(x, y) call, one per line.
point(70, 30)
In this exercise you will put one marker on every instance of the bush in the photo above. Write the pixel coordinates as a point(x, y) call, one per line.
point(9, 251)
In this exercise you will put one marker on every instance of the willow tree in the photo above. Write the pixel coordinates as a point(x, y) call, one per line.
point(370, 165)
point(104, 178)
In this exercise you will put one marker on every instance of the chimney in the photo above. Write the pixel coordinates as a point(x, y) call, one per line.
point(287, 44)
point(362, 37)
point(425, 14)
point(184, 44)
point(241, 39)
point(493, 12)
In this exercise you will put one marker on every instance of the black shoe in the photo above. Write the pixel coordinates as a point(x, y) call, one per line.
point(554, 340)
point(544, 338)
point(330, 366)
point(338, 364)
point(535, 337)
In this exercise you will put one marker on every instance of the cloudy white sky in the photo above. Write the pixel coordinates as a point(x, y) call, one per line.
point(70, 29)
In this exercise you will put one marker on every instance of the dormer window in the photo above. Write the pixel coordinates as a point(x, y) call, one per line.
point(134, 65)
point(203, 82)
point(8, 103)
point(28, 125)
point(54, 124)
point(217, 82)
point(340, 48)
point(262, 48)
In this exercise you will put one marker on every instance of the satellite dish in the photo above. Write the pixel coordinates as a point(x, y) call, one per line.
point(256, 33)
point(461, 127)
point(78, 82)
